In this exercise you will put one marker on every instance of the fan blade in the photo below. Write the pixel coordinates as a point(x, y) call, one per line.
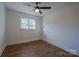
point(44, 7)
point(40, 12)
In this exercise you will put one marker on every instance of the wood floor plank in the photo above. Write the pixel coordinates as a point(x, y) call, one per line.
point(35, 49)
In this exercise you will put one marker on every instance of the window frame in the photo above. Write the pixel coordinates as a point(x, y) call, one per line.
point(29, 24)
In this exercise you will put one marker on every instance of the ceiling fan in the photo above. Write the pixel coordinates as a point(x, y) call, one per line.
point(37, 7)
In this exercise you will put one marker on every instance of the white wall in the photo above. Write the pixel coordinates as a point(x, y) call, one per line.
point(17, 35)
point(2, 27)
point(61, 28)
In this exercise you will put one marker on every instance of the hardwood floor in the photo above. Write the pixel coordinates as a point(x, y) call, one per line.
point(35, 49)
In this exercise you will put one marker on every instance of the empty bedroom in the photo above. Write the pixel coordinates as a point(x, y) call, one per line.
point(39, 29)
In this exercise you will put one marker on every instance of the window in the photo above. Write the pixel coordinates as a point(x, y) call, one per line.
point(32, 24)
point(24, 23)
point(28, 23)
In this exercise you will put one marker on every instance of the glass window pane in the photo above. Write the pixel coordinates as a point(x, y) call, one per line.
point(24, 23)
point(32, 24)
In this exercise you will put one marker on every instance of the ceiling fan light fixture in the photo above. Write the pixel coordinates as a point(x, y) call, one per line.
point(37, 10)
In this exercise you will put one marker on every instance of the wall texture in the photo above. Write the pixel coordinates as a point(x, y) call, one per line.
point(17, 35)
point(61, 28)
point(2, 27)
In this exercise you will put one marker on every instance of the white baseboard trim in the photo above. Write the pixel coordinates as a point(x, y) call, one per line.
point(21, 41)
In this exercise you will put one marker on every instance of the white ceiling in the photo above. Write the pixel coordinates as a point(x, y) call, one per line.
point(22, 7)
